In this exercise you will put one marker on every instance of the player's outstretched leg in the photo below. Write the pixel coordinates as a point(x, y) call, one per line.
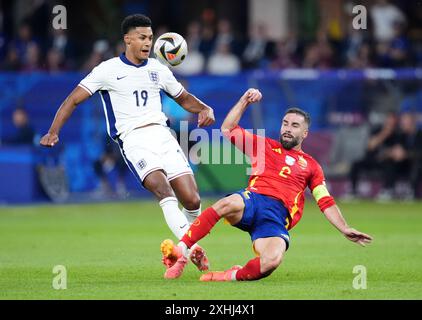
point(157, 183)
point(187, 193)
point(230, 208)
point(271, 252)
point(199, 228)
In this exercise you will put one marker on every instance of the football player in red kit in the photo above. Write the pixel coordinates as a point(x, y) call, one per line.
point(272, 203)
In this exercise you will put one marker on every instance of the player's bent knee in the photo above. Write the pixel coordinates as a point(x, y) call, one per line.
point(160, 189)
point(227, 205)
point(193, 202)
point(163, 192)
point(269, 264)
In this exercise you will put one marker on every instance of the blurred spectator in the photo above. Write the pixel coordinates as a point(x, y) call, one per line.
point(101, 51)
point(55, 61)
point(384, 17)
point(225, 35)
point(319, 55)
point(206, 46)
point(23, 41)
point(24, 133)
point(32, 61)
point(259, 47)
point(312, 57)
point(223, 61)
point(193, 35)
point(61, 43)
point(110, 160)
point(362, 59)
point(193, 64)
point(403, 158)
point(12, 61)
point(394, 53)
point(284, 56)
point(380, 139)
point(357, 50)
point(347, 148)
point(36, 14)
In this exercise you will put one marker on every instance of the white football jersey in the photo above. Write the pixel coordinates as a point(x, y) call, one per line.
point(131, 93)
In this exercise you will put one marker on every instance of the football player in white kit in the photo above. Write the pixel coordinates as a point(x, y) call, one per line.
point(130, 87)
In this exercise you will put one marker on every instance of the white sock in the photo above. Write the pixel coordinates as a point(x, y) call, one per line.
point(175, 219)
point(191, 215)
point(185, 249)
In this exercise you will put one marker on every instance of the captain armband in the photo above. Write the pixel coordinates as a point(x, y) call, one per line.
point(323, 197)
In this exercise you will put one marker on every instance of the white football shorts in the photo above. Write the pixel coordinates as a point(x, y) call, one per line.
point(154, 148)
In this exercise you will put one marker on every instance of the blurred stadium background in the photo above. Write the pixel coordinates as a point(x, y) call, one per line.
point(301, 53)
point(298, 53)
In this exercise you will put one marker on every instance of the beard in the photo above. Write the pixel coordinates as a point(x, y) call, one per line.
point(289, 144)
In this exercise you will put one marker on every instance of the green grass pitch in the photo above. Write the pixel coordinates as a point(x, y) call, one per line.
point(111, 251)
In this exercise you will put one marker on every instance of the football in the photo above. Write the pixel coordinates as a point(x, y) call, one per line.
point(171, 49)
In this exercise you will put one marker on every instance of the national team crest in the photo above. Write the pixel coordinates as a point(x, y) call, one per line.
point(153, 75)
point(142, 164)
point(290, 160)
point(302, 162)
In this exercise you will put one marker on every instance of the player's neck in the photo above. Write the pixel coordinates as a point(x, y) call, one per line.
point(297, 148)
point(132, 58)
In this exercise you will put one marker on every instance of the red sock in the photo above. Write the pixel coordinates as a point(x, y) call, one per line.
point(251, 271)
point(201, 227)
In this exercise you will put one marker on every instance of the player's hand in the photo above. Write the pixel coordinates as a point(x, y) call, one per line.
point(251, 96)
point(357, 236)
point(206, 118)
point(49, 140)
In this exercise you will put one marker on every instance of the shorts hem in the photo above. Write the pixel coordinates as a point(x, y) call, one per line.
point(269, 236)
point(150, 171)
point(179, 175)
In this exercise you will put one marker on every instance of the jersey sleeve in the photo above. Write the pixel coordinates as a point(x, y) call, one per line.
point(95, 80)
point(319, 189)
point(169, 83)
point(245, 141)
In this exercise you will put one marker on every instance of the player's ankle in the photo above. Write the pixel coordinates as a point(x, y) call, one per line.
point(184, 248)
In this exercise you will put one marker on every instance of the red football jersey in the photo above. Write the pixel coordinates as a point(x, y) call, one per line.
point(282, 174)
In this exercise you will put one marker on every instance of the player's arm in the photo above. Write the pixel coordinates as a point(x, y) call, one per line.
point(192, 104)
point(334, 215)
point(242, 139)
point(330, 209)
point(233, 117)
point(77, 96)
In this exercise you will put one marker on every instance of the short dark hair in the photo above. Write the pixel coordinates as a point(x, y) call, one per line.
point(133, 21)
point(300, 112)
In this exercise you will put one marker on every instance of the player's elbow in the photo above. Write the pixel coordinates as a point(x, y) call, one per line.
point(226, 128)
point(225, 131)
point(183, 99)
point(73, 101)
